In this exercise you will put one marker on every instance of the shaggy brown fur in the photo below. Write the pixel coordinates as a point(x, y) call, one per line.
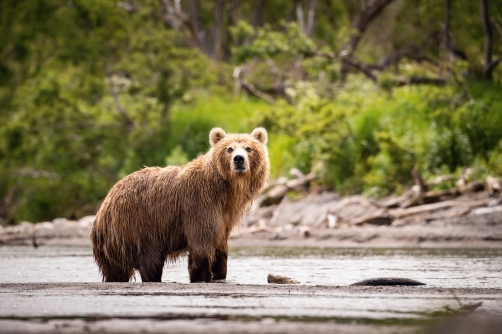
point(157, 214)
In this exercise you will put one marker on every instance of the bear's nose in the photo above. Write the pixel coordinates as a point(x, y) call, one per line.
point(238, 160)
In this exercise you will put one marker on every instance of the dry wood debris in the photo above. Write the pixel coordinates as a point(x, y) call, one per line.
point(276, 212)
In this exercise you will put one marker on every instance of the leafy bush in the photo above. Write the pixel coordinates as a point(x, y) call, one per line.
point(370, 140)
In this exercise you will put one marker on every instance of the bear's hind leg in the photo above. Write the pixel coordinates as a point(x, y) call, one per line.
point(116, 274)
point(199, 268)
point(151, 269)
point(220, 264)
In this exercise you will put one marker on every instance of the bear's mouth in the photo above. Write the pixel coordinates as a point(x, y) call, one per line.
point(240, 169)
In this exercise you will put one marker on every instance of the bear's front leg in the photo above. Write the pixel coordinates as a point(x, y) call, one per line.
point(199, 267)
point(220, 263)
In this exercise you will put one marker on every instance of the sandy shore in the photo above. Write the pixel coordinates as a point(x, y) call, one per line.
point(230, 308)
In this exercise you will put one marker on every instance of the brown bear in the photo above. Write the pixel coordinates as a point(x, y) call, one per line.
point(157, 214)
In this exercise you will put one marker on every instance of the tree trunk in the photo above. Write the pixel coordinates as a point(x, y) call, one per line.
point(257, 13)
point(311, 17)
point(234, 12)
point(299, 15)
point(446, 28)
point(195, 22)
point(370, 10)
point(488, 65)
point(218, 23)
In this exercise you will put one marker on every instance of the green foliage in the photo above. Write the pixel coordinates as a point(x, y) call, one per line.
point(364, 140)
point(87, 104)
point(177, 157)
point(270, 43)
point(91, 91)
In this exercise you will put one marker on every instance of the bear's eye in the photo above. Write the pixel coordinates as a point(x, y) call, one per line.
point(230, 150)
point(248, 149)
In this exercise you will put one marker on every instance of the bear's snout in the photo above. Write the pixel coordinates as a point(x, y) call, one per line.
point(239, 160)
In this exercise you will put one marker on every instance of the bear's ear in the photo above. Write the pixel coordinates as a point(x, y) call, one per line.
point(216, 135)
point(260, 134)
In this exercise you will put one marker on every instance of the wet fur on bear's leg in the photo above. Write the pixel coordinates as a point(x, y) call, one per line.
point(150, 268)
point(220, 264)
point(199, 268)
point(113, 273)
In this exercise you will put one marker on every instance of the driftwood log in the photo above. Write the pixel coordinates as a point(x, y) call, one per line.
point(277, 192)
point(277, 213)
point(276, 279)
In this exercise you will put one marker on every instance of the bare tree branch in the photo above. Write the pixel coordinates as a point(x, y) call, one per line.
point(121, 110)
point(364, 68)
point(250, 88)
point(370, 10)
point(496, 25)
point(320, 54)
point(386, 61)
point(394, 57)
point(493, 64)
point(420, 81)
point(176, 18)
point(240, 83)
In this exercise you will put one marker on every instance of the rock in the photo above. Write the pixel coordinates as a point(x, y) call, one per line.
point(310, 211)
point(388, 281)
point(44, 226)
point(276, 279)
point(86, 221)
point(353, 208)
point(59, 221)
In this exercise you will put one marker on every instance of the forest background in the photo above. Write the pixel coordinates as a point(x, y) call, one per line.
point(360, 92)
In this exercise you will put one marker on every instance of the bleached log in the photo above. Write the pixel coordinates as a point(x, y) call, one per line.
point(278, 192)
point(277, 279)
point(493, 185)
point(380, 217)
point(429, 208)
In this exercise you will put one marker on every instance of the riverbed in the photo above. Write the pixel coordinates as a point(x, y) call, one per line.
point(58, 289)
point(453, 268)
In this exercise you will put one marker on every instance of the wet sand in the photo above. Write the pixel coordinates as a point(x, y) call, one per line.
point(230, 308)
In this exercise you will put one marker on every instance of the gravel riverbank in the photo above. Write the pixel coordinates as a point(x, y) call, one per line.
point(230, 308)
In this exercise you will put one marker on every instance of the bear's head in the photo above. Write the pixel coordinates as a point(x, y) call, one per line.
point(240, 155)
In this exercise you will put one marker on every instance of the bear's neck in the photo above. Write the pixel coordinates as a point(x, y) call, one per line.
point(244, 188)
